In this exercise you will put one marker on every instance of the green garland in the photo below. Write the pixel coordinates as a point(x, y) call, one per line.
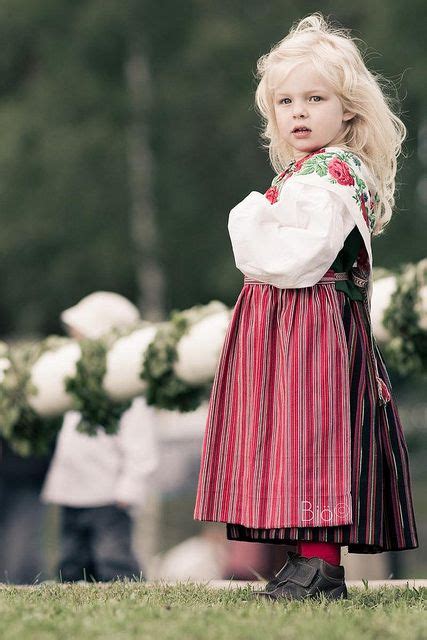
point(163, 387)
point(407, 349)
point(89, 395)
point(26, 432)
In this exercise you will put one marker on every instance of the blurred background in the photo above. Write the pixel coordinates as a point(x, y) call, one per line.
point(128, 132)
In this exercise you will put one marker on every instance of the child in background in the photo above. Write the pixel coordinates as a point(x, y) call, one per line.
point(98, 479)
point(303, 441)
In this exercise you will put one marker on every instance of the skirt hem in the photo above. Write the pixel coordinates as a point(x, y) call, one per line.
point(353, 546)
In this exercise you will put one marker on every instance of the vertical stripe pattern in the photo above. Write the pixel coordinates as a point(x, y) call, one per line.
point(296, 446)
point(277, 444)
point(381, 488)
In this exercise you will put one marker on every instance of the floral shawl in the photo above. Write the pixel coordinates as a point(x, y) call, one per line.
point(344, 173)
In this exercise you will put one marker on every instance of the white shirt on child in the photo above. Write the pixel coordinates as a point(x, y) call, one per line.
point(93, 471)
point(293, 242)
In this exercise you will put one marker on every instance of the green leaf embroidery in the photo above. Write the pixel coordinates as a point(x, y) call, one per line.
point(322, 170)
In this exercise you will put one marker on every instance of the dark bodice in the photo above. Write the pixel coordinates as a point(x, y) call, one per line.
point(345, 260)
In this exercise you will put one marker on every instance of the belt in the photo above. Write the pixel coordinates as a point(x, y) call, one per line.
point(330, 277)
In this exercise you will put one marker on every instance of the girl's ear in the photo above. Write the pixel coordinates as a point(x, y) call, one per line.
point(348, 115)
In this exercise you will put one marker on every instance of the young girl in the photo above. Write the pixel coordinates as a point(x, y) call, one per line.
point(303, 442)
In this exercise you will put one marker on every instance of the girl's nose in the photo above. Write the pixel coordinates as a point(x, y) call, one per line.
point(299, 109)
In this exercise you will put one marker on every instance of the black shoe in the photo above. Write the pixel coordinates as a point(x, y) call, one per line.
point(286, 570)
point(303, 578)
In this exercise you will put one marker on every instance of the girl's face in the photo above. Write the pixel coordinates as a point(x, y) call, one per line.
point(305, 99)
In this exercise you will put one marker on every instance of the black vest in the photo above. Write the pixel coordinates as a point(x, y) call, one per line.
point(344, 262)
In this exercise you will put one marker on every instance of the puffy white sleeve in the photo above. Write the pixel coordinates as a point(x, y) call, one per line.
point(291, 243)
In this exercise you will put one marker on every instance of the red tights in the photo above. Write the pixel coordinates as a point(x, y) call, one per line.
point(329, 551)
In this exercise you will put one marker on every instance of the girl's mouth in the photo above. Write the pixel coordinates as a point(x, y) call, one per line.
point(301, 132)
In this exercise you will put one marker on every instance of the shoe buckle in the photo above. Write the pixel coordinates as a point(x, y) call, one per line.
point(303, 575)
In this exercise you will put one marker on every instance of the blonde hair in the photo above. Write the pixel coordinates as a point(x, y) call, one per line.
point(375, 133)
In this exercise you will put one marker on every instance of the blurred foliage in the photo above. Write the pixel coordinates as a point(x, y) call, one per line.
point(64, 119)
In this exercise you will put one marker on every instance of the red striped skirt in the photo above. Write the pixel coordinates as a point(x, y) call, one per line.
point(296, 445)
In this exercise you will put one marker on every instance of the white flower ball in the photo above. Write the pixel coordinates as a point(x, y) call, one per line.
point(48, 376)
point(198, 350)
point(4, 366)
point(383, 289)
point(124, 364)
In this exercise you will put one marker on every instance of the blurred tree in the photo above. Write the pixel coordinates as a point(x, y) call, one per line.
point(144, 228)
point(63, 161)
point(73, 211)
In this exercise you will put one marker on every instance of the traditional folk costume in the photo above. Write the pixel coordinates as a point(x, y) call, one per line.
point(303, 439)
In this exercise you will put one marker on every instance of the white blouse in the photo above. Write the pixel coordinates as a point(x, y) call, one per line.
point(292, 243)
point(92, 471)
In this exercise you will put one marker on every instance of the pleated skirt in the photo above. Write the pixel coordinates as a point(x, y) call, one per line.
point(381, 499)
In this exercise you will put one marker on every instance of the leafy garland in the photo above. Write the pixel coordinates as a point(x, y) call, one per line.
point(87, 390)
point(163, 387)
point(26, 432)
point(407, 350)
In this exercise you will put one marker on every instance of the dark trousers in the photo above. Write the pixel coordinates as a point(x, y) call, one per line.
point(96, 544)
point(22, 522)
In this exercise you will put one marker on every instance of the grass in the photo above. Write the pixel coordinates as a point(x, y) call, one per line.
point(187, 611)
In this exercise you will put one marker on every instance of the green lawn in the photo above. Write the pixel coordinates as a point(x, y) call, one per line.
point(188, 612)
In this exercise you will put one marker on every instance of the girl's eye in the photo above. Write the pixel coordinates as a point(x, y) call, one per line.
point(282, 100)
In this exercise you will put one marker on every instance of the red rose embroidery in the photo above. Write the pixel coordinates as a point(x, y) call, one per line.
point(340, 171)
point(272, 194)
